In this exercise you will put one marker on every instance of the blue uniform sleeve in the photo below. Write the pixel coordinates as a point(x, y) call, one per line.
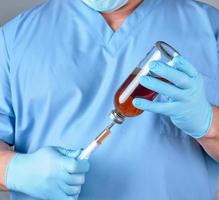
point(213, 15)
point(217, 98)
point(7, 117)
point(217, 37)
point(213, 168)
point(215, 22)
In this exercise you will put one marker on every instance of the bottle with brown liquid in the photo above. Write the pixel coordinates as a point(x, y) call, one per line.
point(132, 88)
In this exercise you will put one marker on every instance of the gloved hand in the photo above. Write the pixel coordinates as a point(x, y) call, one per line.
point(51, 173)
point(187, 107)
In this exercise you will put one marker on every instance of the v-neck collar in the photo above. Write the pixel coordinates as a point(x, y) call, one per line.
point(113, 40)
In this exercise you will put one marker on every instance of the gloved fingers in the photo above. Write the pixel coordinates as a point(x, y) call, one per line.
point(71, 198)
point(161, 87)
point(166, 108)
point(61, 195)
point(67, 197)
point(70, 190)
point(171, 74)
point(69, 153)
point(74, 166)
point(183, 65)
point(74, 179)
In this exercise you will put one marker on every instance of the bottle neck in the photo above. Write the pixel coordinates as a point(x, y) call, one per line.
point(117, 117)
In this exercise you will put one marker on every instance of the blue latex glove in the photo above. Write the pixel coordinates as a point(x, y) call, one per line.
point(51, 173)
point(188, 107)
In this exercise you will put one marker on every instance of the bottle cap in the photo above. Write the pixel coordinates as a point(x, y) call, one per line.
point(117, 117)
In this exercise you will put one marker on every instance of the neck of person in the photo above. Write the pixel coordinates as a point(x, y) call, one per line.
point(116, 18)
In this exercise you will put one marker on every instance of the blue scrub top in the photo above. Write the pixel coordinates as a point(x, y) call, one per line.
point(60, 66)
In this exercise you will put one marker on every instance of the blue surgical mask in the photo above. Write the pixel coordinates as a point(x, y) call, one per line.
point(105, 5)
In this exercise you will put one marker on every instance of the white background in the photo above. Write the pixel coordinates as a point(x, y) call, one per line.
point(10, 8)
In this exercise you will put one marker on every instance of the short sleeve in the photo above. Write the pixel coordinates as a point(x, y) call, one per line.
point(7, 118)
point(215, 21)
point(217, 98)
point(217, 37)
point(213, 14)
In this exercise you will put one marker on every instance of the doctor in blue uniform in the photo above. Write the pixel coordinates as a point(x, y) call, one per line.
point(60, 66)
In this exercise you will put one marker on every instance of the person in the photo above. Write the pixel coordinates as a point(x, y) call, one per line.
point(60, 66)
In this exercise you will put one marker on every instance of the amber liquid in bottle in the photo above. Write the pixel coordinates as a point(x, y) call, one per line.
point(127, 109)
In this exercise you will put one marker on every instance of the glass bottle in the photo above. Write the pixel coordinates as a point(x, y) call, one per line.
point(131, 89)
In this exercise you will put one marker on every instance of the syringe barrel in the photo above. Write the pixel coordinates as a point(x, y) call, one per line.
point(86, 153)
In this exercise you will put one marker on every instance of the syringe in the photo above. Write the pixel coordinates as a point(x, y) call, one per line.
point(86, 153)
